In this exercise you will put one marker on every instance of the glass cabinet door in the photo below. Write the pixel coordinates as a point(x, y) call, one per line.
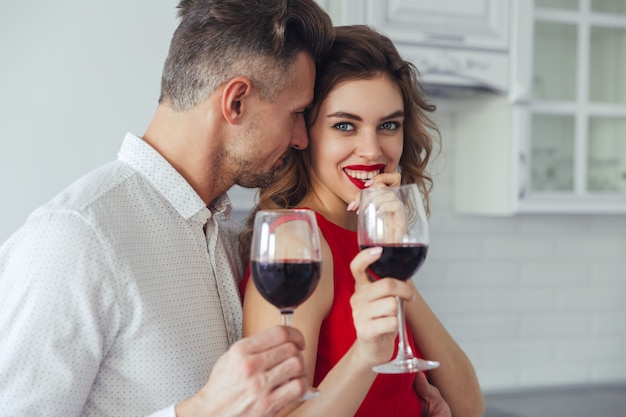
point(577, 141)
point(557, 4)
point(555, 61)
point(565, 115)
point(552, 153)
point(608, 6)
point(607, 65)
point(607, 154)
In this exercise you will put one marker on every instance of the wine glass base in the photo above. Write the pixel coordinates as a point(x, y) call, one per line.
point(405, 366)
point(310, 394)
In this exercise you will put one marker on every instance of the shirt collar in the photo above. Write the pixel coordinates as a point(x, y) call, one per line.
point(146, 160)
point(222, 204)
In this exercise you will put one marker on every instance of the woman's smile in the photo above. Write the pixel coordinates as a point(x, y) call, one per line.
point(360, 174)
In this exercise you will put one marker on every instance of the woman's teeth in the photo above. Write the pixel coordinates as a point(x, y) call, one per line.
point(362, 175)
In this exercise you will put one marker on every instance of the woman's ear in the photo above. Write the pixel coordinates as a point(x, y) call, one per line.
point(233, 95)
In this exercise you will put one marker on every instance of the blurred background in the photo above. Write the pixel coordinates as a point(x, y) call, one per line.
point(527, 265)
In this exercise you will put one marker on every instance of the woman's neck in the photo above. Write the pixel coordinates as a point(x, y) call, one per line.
point(333, 210)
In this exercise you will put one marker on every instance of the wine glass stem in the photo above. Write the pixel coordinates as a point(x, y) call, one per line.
point(404, 350)
point(286, 317)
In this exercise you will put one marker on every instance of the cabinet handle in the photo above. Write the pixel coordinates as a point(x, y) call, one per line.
point(445, 38)
point(523, 176)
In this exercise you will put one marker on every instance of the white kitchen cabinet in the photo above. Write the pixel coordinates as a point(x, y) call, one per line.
point(468, 24)
point(557, 143)
point(452, 42)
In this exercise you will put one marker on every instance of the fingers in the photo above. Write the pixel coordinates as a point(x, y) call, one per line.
point(389, 179)
point(287, 379)
point(270, 338)
point(268, 360)
point(366, 304)
point(375, 310)
point(375, 307)
point(277, 352)
point(434, 404)
point(385, 288)
point(375, 319)
point(278, 363)
point(375, 336)
point(361, 261)
point(374, 304)
point(423, 387)
point(288, 393)
point(382, 288)
point(389, 205)
point(385, 200)
point(258, 375)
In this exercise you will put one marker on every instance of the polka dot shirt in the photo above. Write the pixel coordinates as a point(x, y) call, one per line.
point(118, 296)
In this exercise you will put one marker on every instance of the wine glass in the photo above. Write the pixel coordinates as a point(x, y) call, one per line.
point(286, 261)
point(394, 218)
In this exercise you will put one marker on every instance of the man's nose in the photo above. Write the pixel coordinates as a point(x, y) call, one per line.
point(300, 136)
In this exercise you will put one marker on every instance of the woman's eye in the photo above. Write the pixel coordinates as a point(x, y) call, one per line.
point(343, 126)
point(390, 125)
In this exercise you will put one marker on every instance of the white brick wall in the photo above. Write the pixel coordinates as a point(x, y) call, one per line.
point(534, 300)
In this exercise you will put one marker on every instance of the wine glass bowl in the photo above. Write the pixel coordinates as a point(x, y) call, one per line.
point(285, 260)
point(285, 284)
point(394, 218)
point(398, 261)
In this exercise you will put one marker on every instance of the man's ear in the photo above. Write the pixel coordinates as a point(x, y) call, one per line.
point(233, 95)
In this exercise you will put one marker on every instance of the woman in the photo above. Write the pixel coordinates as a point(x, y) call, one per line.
point(368, 126)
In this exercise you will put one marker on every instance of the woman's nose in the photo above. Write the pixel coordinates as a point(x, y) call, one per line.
point(369, 145)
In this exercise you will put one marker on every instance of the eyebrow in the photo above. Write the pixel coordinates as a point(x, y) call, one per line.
point(346, 115)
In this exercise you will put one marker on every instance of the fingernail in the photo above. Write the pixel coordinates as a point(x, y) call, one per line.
point(351, 205)
point(369, 182)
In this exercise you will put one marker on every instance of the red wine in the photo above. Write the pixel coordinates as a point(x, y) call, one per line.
point(399, 261)
point(288, 283)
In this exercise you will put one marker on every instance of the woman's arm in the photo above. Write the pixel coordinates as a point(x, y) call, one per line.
point(374, 312)
point(455, 377)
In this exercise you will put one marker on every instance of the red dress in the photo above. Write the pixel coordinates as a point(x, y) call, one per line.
point(390, 395)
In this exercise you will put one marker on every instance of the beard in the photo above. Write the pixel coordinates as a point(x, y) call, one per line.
point(250, 179)
point(251, 172)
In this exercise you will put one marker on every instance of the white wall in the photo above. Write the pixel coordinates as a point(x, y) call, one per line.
point(534, 300)
point(75, 76)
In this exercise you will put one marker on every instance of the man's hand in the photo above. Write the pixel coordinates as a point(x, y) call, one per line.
point(433, 403)
point(258, 376)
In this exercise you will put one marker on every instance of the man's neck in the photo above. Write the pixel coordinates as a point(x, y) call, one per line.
point(189, 142)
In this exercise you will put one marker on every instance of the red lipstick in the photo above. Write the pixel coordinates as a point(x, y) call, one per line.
point(360, 184)
point(377, 167)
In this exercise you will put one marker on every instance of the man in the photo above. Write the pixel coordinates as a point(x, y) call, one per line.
point(119, 295)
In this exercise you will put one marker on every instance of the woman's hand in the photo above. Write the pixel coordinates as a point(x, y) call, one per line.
point(374, 309)
point(386, 179)
point(391, 222)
